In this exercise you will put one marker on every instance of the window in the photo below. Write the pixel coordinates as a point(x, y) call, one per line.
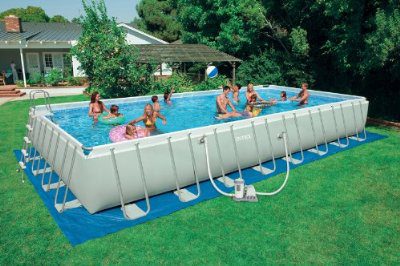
point(48, 60)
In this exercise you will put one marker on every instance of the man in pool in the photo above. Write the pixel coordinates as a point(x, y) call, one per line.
point(222, 104)
point(303, 95)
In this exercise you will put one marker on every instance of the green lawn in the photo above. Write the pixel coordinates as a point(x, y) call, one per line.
point(343, 209)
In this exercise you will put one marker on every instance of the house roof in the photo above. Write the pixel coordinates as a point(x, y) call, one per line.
point(42, 32)
point(180, 53)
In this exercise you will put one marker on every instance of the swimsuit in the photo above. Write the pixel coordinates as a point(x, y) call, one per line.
point(149, 123)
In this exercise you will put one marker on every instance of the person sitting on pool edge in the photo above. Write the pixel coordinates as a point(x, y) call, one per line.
point(303, 95)
point(96, 107)
point(222, 102)
point(149, 118)
point(113, 112)
point(168, 95)
point(156, 103)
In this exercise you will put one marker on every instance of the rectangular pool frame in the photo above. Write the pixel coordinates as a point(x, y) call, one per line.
point(109, 175)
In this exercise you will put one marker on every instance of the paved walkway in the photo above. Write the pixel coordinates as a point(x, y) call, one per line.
point(52, 91)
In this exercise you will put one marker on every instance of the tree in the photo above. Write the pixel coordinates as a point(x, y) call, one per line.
point(159, 18)
point(59, 18)
point(108, 61)
point(29, 14)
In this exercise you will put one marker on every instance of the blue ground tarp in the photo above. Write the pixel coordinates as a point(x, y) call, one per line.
point(79, 226)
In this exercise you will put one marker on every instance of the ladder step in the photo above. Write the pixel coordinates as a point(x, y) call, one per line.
point(68, 205)
point(40, 171)
point(29, 127)
point(320, 153)
point(334, 143)
point(134, 212)
point(185, 195)
point(24, 153)
point(227, 181)
point(27, 140)
point(293, 160)
point(263, 170)
point(52, 186)
point(22, 165)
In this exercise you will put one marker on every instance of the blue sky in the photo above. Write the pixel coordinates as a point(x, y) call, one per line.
point(123, 10)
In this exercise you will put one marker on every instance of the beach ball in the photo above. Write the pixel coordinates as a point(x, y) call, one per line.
point(212, 72)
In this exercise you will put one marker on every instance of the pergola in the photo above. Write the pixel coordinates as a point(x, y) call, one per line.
point(184, 53)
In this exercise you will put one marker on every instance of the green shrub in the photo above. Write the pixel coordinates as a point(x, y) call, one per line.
point(53, 77)
point(178, 81)
point(211, 84)
point(75, 81)
point(19, 83)
point(35, 79)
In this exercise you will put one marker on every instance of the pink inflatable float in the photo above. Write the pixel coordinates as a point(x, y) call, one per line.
point(117, 133)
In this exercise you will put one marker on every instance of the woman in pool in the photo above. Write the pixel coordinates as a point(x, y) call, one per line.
point(149, 118)
point(96, 107)
point(113, 112)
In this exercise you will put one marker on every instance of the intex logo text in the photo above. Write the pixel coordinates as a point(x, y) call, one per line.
point(244, 137)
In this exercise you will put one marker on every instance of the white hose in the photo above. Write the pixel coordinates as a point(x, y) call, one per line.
point(287, 171)
point(209, 172)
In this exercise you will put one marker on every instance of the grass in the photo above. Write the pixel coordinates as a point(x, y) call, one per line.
point(344, 209)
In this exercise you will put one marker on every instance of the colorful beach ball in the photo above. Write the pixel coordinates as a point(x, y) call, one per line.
point(212, 72)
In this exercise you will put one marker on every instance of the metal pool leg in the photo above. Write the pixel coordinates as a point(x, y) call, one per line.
point(194, 165)
point(338, 143)
point(50, 185)
point(60, 207)
point(184, 195)
point(259, 168)
point(226, 180)
point(316, 150)
point(236, 152)
point(293, 160)
point(131, 211)
point(355, 124)
point(47, 155)
point(345, 127)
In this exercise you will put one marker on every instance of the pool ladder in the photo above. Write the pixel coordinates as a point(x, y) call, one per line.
point(26, 150)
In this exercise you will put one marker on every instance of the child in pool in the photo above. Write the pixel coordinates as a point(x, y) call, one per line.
point(251, 110)
point(283, 96)
point(156, 104)
point(113, 112)
point(132, 133)
point(167, 96)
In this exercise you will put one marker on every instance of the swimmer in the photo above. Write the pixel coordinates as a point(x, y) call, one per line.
point(303, 95)
point(250, 109)
point(168, 95)
point(113, 112)
point(96, 107)
point(283, 96)
point(156, 103)
point(222, 103)
point(131, 132)
point(149, 118)
point(235, 92)
point(250, 91)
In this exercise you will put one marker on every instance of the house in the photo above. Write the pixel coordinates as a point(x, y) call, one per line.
point(40, 47)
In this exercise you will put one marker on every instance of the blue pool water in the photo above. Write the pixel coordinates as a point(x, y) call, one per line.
point(184, 113)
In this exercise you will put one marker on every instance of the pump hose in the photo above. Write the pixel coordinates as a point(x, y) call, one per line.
point(209, 171)
point(284, 137)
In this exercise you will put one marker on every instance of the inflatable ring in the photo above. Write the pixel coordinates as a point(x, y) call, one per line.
point(111, 121)
point(117, 133)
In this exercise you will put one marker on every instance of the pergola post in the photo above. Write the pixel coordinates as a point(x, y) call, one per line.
point(23, 66)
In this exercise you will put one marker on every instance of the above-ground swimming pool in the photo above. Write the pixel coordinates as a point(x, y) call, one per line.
point(88, 163)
